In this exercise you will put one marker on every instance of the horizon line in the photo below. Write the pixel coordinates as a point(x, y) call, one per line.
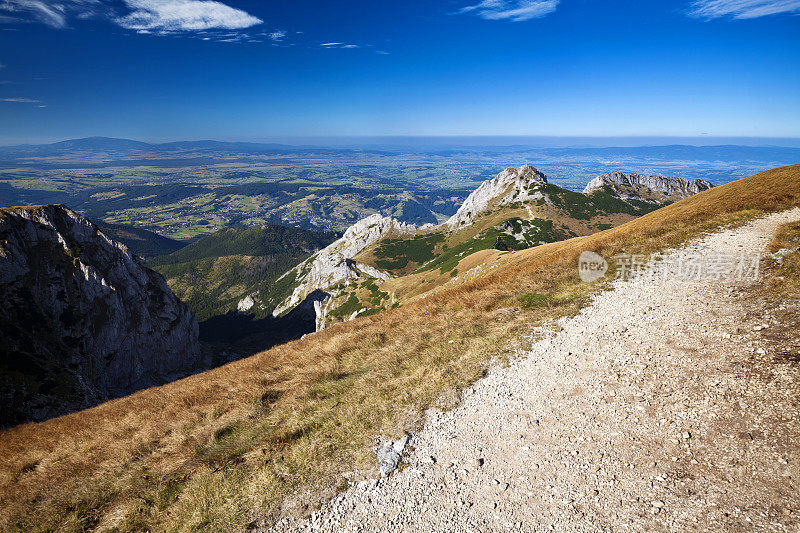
point(305, 140)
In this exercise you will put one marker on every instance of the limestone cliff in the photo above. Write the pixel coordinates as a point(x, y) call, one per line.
point(82, 319)
point(656, 189)
point(334, 264)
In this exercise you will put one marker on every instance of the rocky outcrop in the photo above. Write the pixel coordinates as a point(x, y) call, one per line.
point(82, 319)
point(246, 303)
point(334, 265)
point(657, 189)
point(511, 185)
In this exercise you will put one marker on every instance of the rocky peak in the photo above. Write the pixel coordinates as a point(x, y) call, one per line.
point(368, 231)
point(82, 319)
point(658, 189)
point(334, 264)
point(511, 185)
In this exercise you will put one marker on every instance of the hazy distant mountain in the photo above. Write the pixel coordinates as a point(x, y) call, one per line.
point(121, 146)
point(720, 153)
point(724, 153)
point(88, 144)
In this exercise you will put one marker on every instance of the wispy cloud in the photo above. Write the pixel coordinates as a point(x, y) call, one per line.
point(513, 10)
point(742, 9)
point(278, 35)
point(55, 14)
point(144, 16)
point(184, 15)
point(339, 45)
point(20, 100)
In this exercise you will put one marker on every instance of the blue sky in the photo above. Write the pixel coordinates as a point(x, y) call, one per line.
point(257, 70)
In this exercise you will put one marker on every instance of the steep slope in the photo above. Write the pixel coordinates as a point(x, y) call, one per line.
point(335, 266)
point(628, 434)
point(140, 241)
point(82, 319)
point(234, 268)
point(234, 447)
point(656, 189)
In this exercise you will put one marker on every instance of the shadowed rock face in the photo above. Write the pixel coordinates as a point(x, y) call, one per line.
point(82, 319)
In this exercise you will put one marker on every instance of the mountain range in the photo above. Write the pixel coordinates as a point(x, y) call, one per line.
point(381, 262)
point(240, 446)
point(107, 145)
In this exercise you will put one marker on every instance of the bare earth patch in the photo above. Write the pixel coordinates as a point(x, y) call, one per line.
point(663, 405)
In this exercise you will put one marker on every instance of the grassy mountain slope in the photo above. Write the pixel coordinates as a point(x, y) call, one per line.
point(140, 241)
point(429, 259)
point(219, 450)
point(215, 272)
point(561, 215)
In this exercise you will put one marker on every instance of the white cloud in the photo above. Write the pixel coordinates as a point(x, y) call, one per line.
point(184, 15)
point(742, 9)
point(156, 16)
point(278, 35)
point(20, 100)
point(513, 10)
point(55, 14)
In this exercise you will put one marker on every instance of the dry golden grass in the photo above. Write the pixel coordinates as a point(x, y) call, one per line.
point(781, 279)
point(220, 450)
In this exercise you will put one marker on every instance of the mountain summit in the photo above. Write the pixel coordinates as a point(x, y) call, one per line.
point(511, 185)
point(381, 263)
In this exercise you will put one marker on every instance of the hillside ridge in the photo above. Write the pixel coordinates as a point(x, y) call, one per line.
point(516, 209)
point(626, 185)
point(557, 424)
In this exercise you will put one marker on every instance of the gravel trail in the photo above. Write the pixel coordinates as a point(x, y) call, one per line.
point(658, 407)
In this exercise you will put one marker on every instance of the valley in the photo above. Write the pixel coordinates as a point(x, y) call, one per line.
point(188, 189)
